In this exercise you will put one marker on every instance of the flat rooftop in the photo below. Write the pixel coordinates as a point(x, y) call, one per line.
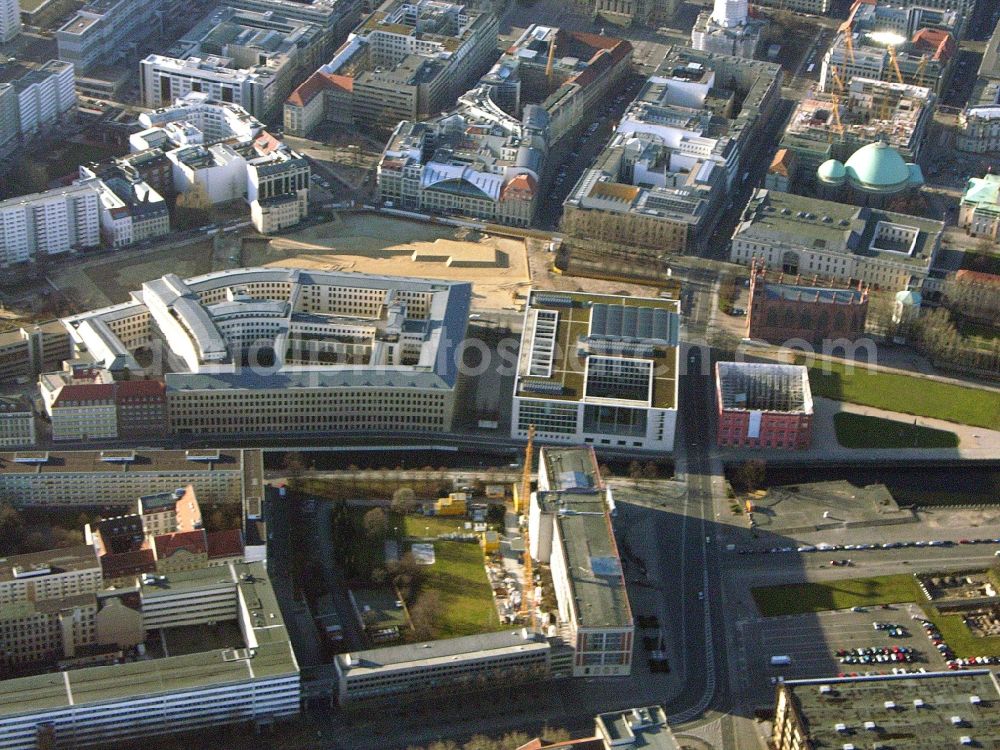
point(953, 705)
point(564, 330)
point(418, 655)
point(51, 462)
point(751, 386)
point(644, 728)
point(35, 564)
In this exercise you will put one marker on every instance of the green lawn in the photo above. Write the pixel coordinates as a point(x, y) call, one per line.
point(906, 394)
point(960, 638)
point(459, 578)
point(424, 526)
point(802, 598)
point(860, 431)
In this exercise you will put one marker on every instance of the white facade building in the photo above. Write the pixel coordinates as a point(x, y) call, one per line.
point(10, 20)
point(50, 223)
point(598, 370)
point(104, 31)
point(45, 96)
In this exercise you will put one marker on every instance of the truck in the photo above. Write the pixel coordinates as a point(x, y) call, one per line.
point(780, 661)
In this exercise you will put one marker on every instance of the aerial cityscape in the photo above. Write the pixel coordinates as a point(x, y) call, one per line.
point(499, 374)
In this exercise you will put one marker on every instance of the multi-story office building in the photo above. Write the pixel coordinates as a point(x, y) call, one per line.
point(196, 118)
point(285, 350)
point(570, 530)
point(980, 121)
point(816, 7)
point(659, 185)
point(43, 478)
point(804, 236)
point(17, 422)
point(827, 126)
point(323, 97)
point(31, 350)
point(876, 43)
point(57, 221)
point(763, 405)
point(409, 59)
point(334, 17)
point(979, 211)
point(53, 574)
point(634, 12)
point(446, 665)
point(598, 369)
point(974, 295)
point(917, 710)
point(10, 20)
point(105, 31)
point(277, 187)
point(255, 679)
point(46, 97)
point(476, 160)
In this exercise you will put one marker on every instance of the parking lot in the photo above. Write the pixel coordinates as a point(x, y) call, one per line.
point(812, 643)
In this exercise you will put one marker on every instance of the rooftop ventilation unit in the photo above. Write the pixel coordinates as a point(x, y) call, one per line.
point(890, 705)
point(975, 700)
point(870, 726)
point(840, 727)
point(965, 739)
point(918, 702)
point(956, 721)
point(825, 690)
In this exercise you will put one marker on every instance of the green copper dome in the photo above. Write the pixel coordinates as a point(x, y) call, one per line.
point(877, 168)
point(832, 171)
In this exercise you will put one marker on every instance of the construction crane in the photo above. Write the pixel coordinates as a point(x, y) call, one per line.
point(895, 63)
point(528, 588)
point(837, 80)
point(837, 124)
point(551, 61)
point(921, 67)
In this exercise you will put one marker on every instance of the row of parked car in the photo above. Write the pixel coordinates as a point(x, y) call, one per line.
point(877, 655)
point(823, 547)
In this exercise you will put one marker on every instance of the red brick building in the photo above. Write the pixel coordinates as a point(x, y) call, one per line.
point(763, 405)
point(779, 312)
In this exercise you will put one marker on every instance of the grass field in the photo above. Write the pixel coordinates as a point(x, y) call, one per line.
point(803, 598)
point(423, 526)
point(960, 638)
point(909, 395)
point(459, 578)
point(861, 431)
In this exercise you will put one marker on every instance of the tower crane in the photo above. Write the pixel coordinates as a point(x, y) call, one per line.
point(895, 63)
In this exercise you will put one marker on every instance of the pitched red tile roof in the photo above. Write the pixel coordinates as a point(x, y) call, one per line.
point(168, 544)
point(226, 543)
point(86, 392)
point(128, 390)
point(128, 563)
point(316, 83)
point(940, 41)
point(977, 277)
point(523, 183)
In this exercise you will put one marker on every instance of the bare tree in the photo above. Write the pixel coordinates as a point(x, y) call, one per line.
point(375, 524)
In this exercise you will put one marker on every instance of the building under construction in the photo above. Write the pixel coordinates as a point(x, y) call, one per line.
point(835, 124)
point(763, 405)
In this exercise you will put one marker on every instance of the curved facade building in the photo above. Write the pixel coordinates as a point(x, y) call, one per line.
point(873, 174)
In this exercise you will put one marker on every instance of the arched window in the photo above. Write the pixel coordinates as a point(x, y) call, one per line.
point(790, 262)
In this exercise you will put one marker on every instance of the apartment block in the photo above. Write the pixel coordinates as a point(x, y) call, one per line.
point(570, 530)
point(46, 96)
point(660, 183)
point(763, 405)
point(30, 350)
point(131, 210)
point(78, 478)
point(409, 60)
point(53, 574)
point(10, 20)
point(61, 220)
point(335, 17)
point(801, 236)
point(104, 31)
point(17, 422)
point(350, 352)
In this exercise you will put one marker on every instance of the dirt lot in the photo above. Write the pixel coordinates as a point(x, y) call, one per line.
point(367, 243)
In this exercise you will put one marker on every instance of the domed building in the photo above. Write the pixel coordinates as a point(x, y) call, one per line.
point(870, 177)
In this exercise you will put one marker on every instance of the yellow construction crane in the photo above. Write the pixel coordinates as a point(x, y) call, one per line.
point(551, 61)
point(528, 588)
point(895, 63)
point(837, 124)
point(838, 82)
point(921, 67)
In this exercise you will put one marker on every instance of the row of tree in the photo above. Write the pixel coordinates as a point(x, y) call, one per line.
point(509, 741)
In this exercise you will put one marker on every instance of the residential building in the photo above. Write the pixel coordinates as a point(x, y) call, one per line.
point(658, 187)
point(76, 478)
point(728, 29)
point(869, 45)
point(801, 236)
point(10, 20)
point(80, 403)
point(281, 350)
point(442, 666)
point(45, 96)
point(255, 680)
point(763, 405)
point(476, 160)
point(917, 710)
point(198, 119)
point(598, 369)
point(321, 98)
point(31, 350)
point(634, 12)
point(407, 60)
point(17, 422)
point(875, 175)
point(816, 7)
point(828, 126)
point(979, 122)
point(53, 574)
point(974, 295)
point(334, 17)
point(277, 188)
point(131, 210)
point(61, 220)
point(570, 530)
point(782, 311)
point(979, 211)
point(103, 32)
